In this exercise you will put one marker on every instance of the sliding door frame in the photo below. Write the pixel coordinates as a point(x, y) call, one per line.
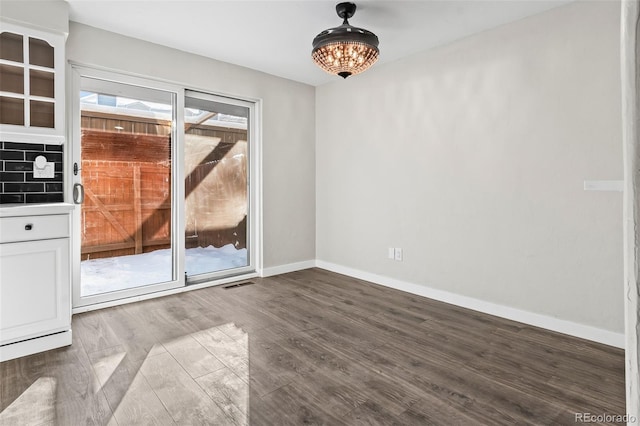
point(254, 181)
point(134, 84)
point(252, 187)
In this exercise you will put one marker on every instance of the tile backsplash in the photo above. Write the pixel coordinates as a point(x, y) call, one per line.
point(17, 184)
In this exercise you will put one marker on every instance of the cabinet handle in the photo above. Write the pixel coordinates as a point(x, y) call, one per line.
point(28, 227)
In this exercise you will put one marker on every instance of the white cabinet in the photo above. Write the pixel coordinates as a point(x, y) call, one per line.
point(31, 85)
point(34, 293)
point(35, 300)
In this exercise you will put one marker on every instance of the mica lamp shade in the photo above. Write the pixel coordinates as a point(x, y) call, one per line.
point(345, 50)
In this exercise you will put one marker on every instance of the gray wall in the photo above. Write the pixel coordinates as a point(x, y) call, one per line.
point(49, 14)
point(288, 144)
point(472, 157)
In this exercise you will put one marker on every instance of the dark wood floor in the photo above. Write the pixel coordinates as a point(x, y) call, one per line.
point(310, 347)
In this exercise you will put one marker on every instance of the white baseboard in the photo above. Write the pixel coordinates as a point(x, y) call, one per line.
point(550, 323)
point(290, 267)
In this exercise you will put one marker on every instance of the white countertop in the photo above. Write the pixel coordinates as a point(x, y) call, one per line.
point(12, 210)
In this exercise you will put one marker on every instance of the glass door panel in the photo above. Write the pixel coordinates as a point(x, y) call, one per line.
point(41, 83)
point(42, 114)
point(216, 186)
point(11, 79)
point(11, 110)
point(41, 53)
point(11, 47)
point(126, 219)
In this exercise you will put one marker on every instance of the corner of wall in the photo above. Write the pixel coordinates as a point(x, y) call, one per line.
point(51, 15)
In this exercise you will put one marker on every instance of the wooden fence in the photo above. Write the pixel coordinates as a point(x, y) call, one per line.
point(127, 208)
point(127, 180)
point(118, 224)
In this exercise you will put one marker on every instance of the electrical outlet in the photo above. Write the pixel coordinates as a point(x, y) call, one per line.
point(398, 254)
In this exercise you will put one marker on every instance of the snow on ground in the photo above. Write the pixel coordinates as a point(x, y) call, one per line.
point(118, 273)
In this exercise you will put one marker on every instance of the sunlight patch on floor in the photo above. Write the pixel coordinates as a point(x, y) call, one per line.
point(36, 405)
point(104, 368)
point(197, 374)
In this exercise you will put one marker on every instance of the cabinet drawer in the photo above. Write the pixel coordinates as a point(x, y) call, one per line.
point(28, 228)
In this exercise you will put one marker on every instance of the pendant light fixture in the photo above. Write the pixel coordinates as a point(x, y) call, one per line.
point(345, 50)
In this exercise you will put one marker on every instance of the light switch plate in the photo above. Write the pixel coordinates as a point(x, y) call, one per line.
point(604, 185)
point(398, 254)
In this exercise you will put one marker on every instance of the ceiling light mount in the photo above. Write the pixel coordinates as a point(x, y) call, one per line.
point(346, 10)
point(345, 50)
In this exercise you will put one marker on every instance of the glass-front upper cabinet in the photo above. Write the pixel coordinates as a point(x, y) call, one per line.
point(31, 85)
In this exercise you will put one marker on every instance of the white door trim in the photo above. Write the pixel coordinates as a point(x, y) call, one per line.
point(135, 84)
point(630, 66)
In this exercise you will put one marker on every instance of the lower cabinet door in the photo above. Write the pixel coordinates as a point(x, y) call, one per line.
point(34, 289)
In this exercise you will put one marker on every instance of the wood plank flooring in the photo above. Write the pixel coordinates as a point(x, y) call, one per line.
point(309, 348)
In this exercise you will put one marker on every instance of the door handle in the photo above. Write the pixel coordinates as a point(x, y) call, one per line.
point(78, 193)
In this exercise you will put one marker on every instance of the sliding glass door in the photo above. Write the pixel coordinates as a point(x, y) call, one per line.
point(125, 174)
point(164, 182)
point(217, 191)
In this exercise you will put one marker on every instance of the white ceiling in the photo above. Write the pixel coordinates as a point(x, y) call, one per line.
point(275, 36)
